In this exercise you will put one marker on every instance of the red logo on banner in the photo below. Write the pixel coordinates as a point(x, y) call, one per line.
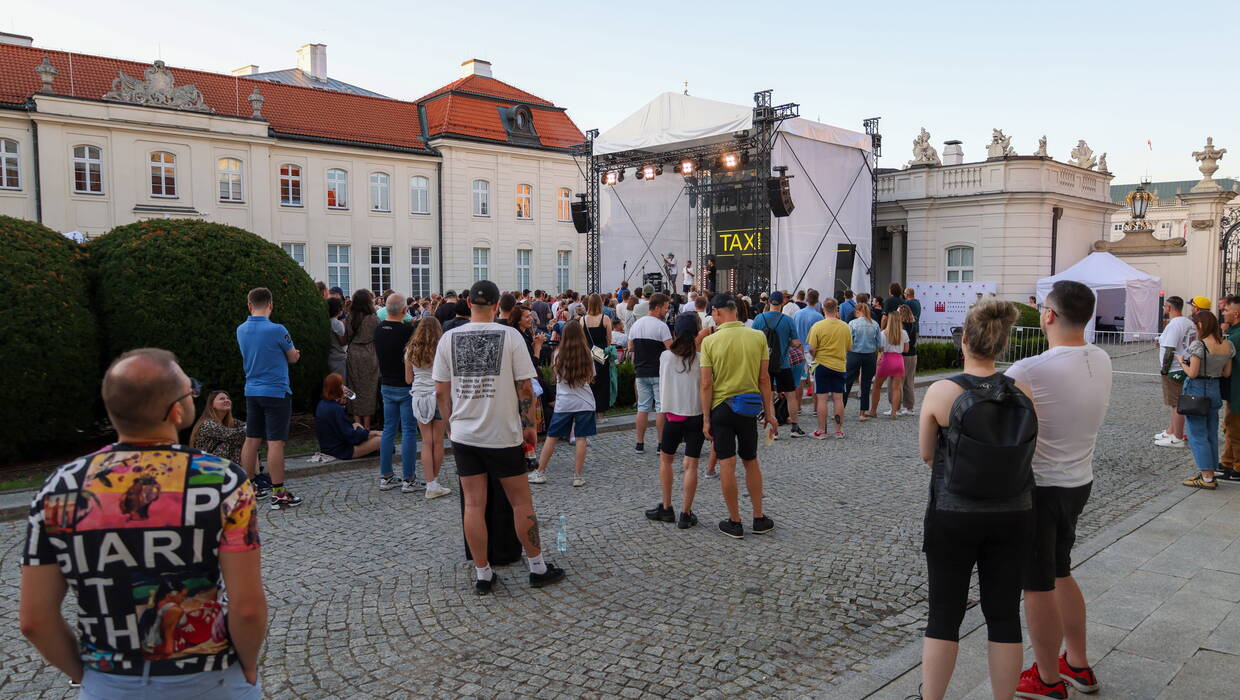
point(940, 307)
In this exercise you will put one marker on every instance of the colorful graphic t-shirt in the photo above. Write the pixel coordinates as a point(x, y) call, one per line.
point(137, 531)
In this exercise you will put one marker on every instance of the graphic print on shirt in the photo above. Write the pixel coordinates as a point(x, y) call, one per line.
point(476, 361)
point(179, 614)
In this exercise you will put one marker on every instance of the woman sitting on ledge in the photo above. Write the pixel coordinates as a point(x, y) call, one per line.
point(337, 437)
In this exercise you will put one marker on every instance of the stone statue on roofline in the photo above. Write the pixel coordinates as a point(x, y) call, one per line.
point(923, 152)
point(1102, 164)
point(1000, 145)
point(1041, 152)
point(1083, 156)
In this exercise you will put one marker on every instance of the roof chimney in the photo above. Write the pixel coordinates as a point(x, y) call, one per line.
point(19, 39)
point(245, 70)
point(476, 66)
point(312, 60)
point(953, 154)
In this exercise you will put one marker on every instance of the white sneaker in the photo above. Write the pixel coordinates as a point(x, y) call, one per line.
point(433, 492)
point(1171, 441)
point(904, 412)
point(1162, 436)
point(412, 486)
point(537, 477)
point(579, 481)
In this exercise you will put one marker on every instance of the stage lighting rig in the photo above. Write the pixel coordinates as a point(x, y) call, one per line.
point(649, 172)
point(732, 161)
point(686, 167)
point(613, 177)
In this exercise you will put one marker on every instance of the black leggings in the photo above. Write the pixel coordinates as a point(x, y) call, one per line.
point(1000, 544)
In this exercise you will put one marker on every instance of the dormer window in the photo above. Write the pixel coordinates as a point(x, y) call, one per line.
point(519, 122)
point(521, 119)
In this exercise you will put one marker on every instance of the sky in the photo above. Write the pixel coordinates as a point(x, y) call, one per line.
point(1120, 76)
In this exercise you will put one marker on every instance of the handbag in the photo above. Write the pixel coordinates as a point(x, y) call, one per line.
point(599, 355)
point(1193, 405)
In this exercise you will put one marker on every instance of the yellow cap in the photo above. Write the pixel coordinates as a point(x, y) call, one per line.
point(1202, 303)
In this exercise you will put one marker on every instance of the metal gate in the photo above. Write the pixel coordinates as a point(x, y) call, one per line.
point(1229, 243)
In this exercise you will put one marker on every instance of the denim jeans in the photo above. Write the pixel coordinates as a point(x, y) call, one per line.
point(1203, 430)
point(229, 684)
point(863, 363)
point(398, 413)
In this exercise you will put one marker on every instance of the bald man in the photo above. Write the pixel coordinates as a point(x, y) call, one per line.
point(149, 515)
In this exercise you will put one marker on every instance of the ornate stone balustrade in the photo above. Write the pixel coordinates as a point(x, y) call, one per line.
point(1012, 174)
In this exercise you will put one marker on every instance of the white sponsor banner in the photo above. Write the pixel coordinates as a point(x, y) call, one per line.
point(944, 304)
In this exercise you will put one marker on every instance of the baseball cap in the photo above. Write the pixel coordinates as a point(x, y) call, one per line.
point(336, 290)
point(1202, 303)
point(484, 293)
point(648, 290)
point(687, 323)
point(777, 297)
point(723, 301)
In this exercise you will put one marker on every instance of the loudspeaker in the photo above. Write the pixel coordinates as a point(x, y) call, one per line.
point(845, 253)
point(581, 216)
point(780, 196)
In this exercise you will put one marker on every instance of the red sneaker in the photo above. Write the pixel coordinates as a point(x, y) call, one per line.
point(1031, 686)
point(1083, 679)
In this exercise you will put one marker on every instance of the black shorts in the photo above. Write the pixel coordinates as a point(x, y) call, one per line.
point(1056, 510)
point(735, 435)
point(499, 462)
point(267, 417)
point(783, 381)
point(688, 430)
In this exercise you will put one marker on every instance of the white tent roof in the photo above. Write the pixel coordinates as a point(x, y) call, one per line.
point(672, 120)
point(1100, 271)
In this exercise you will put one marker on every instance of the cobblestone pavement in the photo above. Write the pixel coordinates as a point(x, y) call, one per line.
point(370, 596)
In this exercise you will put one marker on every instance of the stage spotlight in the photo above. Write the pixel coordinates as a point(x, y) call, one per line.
point(613, 177)
point(648, 172)
point(731, 160)
point(686, 167)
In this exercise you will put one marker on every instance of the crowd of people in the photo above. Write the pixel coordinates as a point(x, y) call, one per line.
point(1010, 454)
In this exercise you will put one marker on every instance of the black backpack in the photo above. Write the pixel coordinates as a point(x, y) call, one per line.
point(772, 340)
point(990, 440)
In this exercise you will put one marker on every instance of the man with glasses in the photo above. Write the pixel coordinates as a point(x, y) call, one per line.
point(267, 350)
point(149, 533)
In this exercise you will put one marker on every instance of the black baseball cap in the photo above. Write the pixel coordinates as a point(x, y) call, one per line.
point(723, 301)
point(484, 293)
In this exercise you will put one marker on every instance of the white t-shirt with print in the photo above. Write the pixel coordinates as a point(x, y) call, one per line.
point(484, 361)
point(1178, 334)
point(1071, 388)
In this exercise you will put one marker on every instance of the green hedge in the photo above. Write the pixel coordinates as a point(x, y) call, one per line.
point(935, 355)
point(1029, 316)
point(51, 371)
point(626, 385)
point(181, 285)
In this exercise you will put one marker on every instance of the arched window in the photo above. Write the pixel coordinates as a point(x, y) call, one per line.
point(482, 198)
point(563, 204)
point(88, 169)
point(525, 204)
point(960, 264)
point(163, 174)
point(337, 189)
point(380, 192)
point(10, 172)
point(228, 174)
point(290, 185)
point(419, 195)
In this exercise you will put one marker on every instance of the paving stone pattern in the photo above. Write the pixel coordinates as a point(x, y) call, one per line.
point(371, 597)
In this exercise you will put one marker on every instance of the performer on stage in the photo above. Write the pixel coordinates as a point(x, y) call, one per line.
point(669, 272)
point(686, 277)
point(710, 275)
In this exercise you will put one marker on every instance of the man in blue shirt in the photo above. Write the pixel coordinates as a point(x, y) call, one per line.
point(786, 334)
point(848, 308)
point(266, 351)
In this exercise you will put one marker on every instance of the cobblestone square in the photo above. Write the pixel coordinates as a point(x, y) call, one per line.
point(370, 595)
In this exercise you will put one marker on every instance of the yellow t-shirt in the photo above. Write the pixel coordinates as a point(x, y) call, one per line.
point(734, 355)
point(830, 339)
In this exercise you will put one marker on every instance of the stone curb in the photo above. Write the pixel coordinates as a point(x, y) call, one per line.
point(906, 660)
point(15, 505)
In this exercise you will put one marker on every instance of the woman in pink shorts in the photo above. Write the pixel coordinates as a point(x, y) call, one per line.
point(890, 362)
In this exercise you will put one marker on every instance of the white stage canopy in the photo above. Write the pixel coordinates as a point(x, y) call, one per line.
point(1126, 297)
point(822, 159)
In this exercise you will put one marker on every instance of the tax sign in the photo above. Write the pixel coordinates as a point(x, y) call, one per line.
point(740, 241)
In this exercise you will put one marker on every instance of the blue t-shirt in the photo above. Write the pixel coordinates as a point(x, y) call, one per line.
point(847, 310)
point(263, 345)
point(784, 329)
point(805, 320)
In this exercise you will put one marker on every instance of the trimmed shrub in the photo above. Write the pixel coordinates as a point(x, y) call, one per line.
point(181, 285)
point(626, 385)
point(1029, 317)
point(935, 355)
point(51, 352)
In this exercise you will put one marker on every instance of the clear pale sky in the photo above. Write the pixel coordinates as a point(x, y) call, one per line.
point(1113, 74)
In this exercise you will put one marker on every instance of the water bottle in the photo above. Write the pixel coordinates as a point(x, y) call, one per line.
point(561, 537)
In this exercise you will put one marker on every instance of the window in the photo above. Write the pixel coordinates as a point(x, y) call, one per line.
point(524, 255)
point(525, 209)
point(88, 169)
point(420, 267)
point(228, 171)
point(380, 192)
point(338, 267)
point(564, 269)
point(419, 195)
point(482, 198)
point(960, 264)
point(337, 189)
point(290, 185)
point(380, 268)
point(296, 251)
point(163, 174)
point(482, 264)
point(563, 204)
point(10, 178)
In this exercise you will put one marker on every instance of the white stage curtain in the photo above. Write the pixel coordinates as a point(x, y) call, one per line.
point(624, 254)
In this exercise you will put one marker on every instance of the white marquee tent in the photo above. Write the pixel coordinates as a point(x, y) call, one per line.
point(1127, 298)
point(642, 221)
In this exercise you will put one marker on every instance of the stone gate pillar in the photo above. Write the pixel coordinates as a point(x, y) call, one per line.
point(1205, 204)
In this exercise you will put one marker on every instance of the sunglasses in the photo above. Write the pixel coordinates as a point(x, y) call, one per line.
point(195, 386)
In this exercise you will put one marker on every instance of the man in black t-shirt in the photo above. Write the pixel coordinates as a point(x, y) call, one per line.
point(648, 338)
point(447, 308)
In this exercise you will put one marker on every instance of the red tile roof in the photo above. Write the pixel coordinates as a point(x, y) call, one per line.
point(289, 109)
point(488, 86)
point(461, 109)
